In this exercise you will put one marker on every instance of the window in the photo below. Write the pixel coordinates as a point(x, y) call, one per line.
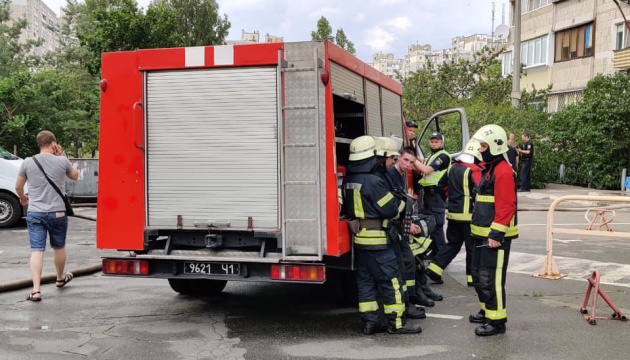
point(506, 64)
point(621, 36)
point(574, 43)
point(531, 5)
point(534, 52)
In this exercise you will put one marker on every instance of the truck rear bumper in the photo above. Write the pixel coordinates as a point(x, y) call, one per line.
point(226, 269)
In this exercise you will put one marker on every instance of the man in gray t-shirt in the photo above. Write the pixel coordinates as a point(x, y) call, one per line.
point(46, 209)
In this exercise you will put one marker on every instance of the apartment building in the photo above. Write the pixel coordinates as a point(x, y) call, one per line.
point(387, 64)
point(253, 37)
point(566, 43)
point(42, 23)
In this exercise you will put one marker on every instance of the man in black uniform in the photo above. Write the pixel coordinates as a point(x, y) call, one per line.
point(433, 195)
point(369, 203)
point(527, 155)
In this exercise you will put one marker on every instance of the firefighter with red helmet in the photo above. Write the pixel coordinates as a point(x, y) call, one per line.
point(461, 180)
point(493, 227)
point(369, 204)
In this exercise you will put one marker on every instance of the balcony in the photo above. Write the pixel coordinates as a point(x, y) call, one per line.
point(621, 59)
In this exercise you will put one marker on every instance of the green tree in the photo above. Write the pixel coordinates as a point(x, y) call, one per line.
point(324, 33)
point(193, 22)
point(343, 42)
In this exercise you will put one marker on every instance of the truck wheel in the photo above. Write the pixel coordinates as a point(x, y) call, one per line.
point(180, 286)
point(10, 210)
point(206, 287)
point(203, 287)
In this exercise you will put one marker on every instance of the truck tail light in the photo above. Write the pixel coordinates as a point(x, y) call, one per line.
point(312, 273)
point(125, 267)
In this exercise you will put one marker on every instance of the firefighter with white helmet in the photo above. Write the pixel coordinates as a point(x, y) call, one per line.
point(387, 149)
point(493, 227)
point(461, 180)
point(369, 204)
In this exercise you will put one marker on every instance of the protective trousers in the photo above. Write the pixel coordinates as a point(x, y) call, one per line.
point(407, 267)
point(457, 233)
point(489, 268)
point(379, 268)
point(435, 204)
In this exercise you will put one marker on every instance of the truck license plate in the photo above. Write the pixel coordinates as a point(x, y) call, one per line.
point(212, 268)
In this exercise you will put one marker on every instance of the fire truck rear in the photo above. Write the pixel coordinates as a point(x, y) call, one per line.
point(224, 163)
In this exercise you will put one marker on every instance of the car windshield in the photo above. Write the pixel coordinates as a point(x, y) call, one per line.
point(4, 154)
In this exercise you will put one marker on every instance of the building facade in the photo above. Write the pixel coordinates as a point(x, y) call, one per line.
point(566, 43)
point(42, 24)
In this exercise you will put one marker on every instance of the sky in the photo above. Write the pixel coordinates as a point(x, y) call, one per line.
point(374, 26)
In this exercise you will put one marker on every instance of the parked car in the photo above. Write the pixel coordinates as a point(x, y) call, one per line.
point(10, 209)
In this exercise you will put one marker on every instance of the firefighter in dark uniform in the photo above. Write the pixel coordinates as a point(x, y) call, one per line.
point(433, 195)
point(386, 151)
point(461, 181)
point(493, 227)
point(527, 154)
point(370, 205)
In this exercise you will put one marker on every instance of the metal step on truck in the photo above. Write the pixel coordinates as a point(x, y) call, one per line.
point(224, 163)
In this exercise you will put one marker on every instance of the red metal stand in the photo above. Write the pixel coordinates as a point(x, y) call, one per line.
point(593, 281)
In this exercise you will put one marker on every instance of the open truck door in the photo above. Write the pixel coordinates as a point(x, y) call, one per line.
point(453, 124)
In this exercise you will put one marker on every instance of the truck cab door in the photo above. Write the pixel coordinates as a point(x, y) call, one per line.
point(453, 124)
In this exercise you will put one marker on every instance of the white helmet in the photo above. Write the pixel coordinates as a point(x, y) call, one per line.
point(362, 148)
point(494, 136)
point(386, 146)
point(472, 149)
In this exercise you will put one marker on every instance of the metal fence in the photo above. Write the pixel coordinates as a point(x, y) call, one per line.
point(86, 186)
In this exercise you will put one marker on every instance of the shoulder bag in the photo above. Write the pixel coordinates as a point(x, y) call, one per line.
point(69, 210)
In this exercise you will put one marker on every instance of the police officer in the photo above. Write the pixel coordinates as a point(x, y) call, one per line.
point(461, 180)
point(493, 227)
point(386, 151)
point(433, 195)
point(368, 202)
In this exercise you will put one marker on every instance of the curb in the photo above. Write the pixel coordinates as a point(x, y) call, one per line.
point(47, 279)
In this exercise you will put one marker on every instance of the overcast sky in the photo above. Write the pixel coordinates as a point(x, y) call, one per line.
point(387, 26)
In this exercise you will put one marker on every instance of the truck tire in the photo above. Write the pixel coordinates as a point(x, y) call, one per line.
point(202, 287)
point(10, 210)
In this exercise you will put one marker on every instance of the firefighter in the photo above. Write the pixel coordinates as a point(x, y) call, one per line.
point(461, 181)
point(493, 227)
point(386, 151)
point(433, 195)
point(369, 204)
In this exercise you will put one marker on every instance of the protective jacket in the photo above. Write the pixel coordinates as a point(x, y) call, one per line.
point(462, 182)
point(494, 214)
point(367, 197)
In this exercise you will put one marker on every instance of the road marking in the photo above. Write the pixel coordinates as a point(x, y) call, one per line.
point(573, 224)
point(1, 252)
point(575, 269)
point(444, 316)
point(567, 241)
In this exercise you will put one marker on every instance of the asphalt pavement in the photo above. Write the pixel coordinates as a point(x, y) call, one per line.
point(112, 318)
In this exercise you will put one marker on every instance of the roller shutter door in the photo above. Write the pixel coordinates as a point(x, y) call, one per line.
point(392, 113)
point(212, 147)
point(345, 82)
point(373, 109)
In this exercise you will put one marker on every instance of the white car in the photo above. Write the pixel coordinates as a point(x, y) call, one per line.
point(10, 209)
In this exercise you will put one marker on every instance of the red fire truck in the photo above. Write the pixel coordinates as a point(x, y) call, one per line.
point(223, 163)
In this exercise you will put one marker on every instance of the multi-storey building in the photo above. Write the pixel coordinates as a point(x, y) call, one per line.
point(42, 24)
point(253, 37)
point(388, 65)
point(464, 47)
point(565, 43)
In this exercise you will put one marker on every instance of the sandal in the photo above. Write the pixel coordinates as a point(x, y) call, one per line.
point(67, 277)
point(31, 296)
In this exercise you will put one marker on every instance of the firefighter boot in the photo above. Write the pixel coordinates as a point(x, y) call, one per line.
point(435, 277)
point(489, 330)
point(412, 312)
point(421, 299)
point(407, 328)
point(371, 328)
point(430, 294)
point(479, 318)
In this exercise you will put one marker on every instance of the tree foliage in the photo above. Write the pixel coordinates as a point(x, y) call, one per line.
point(478, 86)
point(324, 33)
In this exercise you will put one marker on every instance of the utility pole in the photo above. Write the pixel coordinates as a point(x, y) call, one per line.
point(516, 52)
